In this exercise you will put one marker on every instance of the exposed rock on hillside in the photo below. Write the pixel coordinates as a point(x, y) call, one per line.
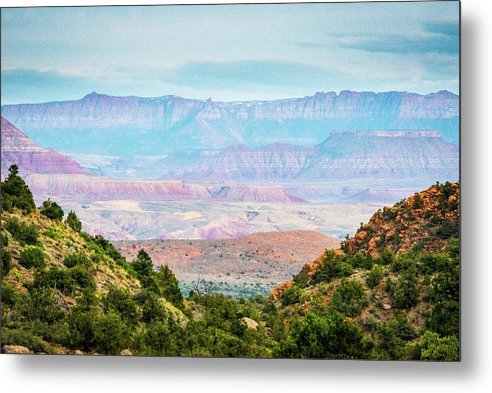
point(426, 220)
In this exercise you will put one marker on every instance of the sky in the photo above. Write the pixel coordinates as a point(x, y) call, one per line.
point(228, 52)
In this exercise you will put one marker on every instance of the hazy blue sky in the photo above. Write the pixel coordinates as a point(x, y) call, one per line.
point(228, 52)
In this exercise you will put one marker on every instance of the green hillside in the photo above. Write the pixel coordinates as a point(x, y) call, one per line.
point(65, 291)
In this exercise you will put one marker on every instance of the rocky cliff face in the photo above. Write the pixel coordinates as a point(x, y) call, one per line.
point(267, 163)
point(18, 149)
point(426, 220)
point(345, 155)
point(117, 125)
point(383, 154)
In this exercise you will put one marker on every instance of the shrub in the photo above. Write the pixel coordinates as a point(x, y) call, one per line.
point(392, 335)
point(6, 257)
point(7, 295)
point(406, 291)
point(57, 279)
point(76, 259)
point(23, 233)
point(387, 257)
point(40, 304)
point(111, 335)
point(349, 298)
point(332, 265)
point(152, 309)
point(32, 256)
point(53, 233)
point(417, 201)
point(301, 280)
point(73, 221)
point(374, 277)
point(445, 318)
point(82, 276)
point(361, 260)
point(81, 327)
point(435, 348)
point(326, 336)
point(447, 229)
point(291, 295)
point(120, 301)
point(27, 339)
point(52, 210)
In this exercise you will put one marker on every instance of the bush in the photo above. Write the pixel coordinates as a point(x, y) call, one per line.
point(111, 335)
point(27, 339)
point(406, 291)
point(444, 318)
point(32, 256)
point(6, 257)
point(76, 259)
point(291, 295)
point(435, 348)
point(361, 260)
point(56, 278)
point(40, 304)
point(349, 298)
point(374, 277)
point(392, 335)
point(447, 229)
point(82, 276)
point(301, 280)
point(52, 210)
point(81, 327)
point(332, 265)
point(152, 309)
point(23, 233)
point(15, 192)
point(73, 221)
point(120, 301)
point(326, 336)
point(53, 233)
point(387, 257)
point(8, 295)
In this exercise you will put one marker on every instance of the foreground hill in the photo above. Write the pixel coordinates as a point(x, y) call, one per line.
point(104, 124)
point(385, 297)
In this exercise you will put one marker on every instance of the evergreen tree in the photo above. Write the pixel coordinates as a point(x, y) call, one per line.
point(52, 210)
point(168, 285)
point(73, 221)
point(143, 267)
point(16, 193)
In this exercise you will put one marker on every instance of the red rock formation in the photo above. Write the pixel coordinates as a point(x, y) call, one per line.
point(18, 149)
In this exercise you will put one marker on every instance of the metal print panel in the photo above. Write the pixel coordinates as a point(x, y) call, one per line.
point(260, 180)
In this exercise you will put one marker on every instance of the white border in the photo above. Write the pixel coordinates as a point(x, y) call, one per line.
point(473, 374)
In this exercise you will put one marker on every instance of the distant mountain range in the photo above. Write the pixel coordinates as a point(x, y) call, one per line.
point(128, 126)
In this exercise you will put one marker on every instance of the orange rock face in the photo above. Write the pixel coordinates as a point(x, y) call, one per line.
point(426, 220)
